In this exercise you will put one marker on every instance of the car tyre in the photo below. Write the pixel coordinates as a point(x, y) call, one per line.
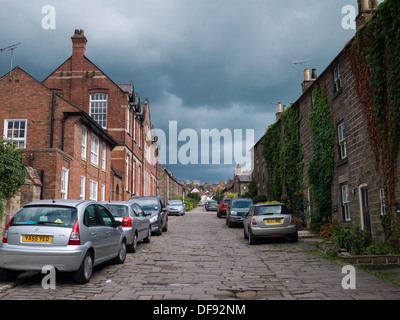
point(294, 238)
point(8, 275)
point(133, 246)
point(244, 234)
point(148, 238)
point(120, 259)
point(251, 238)
point(84, 273)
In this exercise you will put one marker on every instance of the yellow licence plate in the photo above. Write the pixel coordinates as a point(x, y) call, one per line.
point(38, 239)
point(270, 221)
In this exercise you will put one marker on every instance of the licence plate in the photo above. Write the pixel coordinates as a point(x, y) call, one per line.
point(270, 221)
point(37, 239)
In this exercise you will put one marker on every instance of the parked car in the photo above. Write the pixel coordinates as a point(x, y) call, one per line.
point(159, 213)
point(223, 205)
point(70, 235)
point(269, 220)
point(176, 207)
point(237, 209)
point(212, 206)
point(135, 222)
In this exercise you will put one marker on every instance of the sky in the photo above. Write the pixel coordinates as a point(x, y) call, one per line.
point(203, 64)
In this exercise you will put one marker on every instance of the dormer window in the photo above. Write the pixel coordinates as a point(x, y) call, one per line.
point(98, 108)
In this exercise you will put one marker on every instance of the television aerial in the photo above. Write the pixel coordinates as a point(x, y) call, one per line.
point(10, 48)
point(301, 62)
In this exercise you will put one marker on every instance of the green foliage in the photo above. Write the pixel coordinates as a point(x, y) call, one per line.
point(375, 62)
point(272, 146)
point(292, 162)
point(190, 204)
point(320, 172)
point(12, 172)
point(260, 198)
point(194, 195)
point(230, 195)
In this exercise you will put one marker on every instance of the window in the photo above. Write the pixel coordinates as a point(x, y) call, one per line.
point(94, 150)
point(342, 141)
point(382, 198)
point(83, 186)
point(103, 192)
point(84, 142)
point(345, 202)
point(93, 190)
point(98, 108)
point(127, 174)
point(108, 219)
point(104, 156)
point(134, 127)
point(128, 129)
point(15, 130)
point(91, 218)
point(337, 82)
point(64, 183)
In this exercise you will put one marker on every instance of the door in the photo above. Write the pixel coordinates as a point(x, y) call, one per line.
point(365, 209)
point(141, 219)
point(112, 235)
point(97, 234)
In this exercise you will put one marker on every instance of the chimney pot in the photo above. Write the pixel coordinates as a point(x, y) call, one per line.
point(306, 74)
point(279, 106)
point(314, 74)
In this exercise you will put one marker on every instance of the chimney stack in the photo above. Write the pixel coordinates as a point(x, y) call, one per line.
point(78, 49)
point(308, 78)
point(366, 9)
point(278, 114)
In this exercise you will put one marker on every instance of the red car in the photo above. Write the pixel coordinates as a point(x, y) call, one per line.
point(223, 205)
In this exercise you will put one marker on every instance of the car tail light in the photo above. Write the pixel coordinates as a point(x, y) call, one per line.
point(254, 222)
point(127, 222)
point(292, 219)
point(75, 238)
point(6, 233)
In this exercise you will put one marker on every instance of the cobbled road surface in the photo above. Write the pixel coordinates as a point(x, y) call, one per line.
point(201, 258)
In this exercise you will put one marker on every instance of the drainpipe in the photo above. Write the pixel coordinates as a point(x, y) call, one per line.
point(53, 103)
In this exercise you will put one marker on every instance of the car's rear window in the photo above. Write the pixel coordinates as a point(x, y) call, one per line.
point(46, 215)
point(270, 210)
point(146, 204)
point(242, 204)
point(117, 210)
point(227, 201)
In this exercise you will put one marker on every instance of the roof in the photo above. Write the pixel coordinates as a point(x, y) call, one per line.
point(244, 177)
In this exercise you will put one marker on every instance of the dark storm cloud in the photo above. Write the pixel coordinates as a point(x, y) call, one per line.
point(204, 63)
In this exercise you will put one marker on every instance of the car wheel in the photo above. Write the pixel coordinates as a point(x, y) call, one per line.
point(133, 246)
point(218, 215)
point(159, 231)
point(165, 229)
point(294, 238)
point(244, 234)
point(252, 240)
point(121, 253)
point(8, 275)
point(148, 238)
point(230, 224)
point(84, 273)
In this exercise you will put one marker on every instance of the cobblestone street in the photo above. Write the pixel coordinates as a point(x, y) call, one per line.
point(201, 258)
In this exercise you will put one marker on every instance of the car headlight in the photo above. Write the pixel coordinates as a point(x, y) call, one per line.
point(234, 213)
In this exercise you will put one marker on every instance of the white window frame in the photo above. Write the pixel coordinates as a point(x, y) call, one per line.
point(127, 173)
point(337, 78)
point(19, 142)
point(341, 131)
point(98, 102)
point(104, 156)
point(382, 200)
point(94, 150)
point(82, 188)
point(64, 182)
point(344, 190)
point(103, 192)
point(94, 189)
point(128, 129)
point(84, 142)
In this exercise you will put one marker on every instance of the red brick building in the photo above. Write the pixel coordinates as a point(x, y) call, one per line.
point(118, 110)
point(71, 152)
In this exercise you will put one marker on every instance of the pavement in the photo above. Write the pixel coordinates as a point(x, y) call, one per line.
point(201, 258)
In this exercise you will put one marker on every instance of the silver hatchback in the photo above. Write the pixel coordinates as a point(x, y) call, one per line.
point(269, 220)
point(70, 235)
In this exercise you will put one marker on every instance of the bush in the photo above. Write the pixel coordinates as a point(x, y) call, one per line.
point(260, 198)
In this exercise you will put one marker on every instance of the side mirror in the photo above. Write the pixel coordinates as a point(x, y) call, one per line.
point(117, 224)
point(146, 213)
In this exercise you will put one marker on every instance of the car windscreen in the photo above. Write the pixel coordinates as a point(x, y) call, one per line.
point(242, 204)
point(270, 210)
point(117, 210)
point(147, 204)
point(227, 201)
point(46, 215)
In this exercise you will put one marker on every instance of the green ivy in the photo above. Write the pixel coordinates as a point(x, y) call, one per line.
point(12, 172)
point(272, 146)
point(320, 172)
point(292, 162)
point(375, 61)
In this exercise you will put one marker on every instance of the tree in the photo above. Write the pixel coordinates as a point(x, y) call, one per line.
point(12, 172)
